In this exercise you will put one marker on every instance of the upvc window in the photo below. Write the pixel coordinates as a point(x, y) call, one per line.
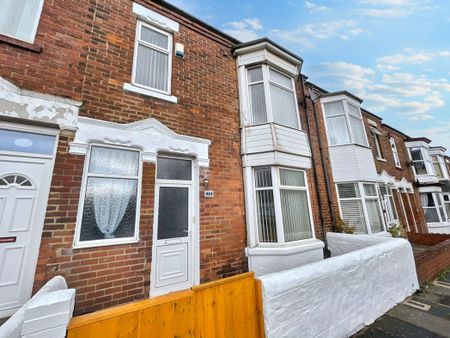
point(272, 97)
point(282, 205)
point(398, 164)
point(447, 204)
point(418, 160)
point(437, 166)
point(376, 141)
point(152, 66)
point(433, 206)
point(344, 123)
point(387, 201)
point(110, 200)
point(360, 207)
point(19, 19)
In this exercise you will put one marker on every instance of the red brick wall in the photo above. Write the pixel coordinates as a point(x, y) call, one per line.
point(87, 54)
point(389, 166)
point(432, 261)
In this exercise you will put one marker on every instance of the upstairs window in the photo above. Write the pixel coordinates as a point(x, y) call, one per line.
point(395, 152)
point(344, 123)
point(418, 161)
point(19, 19)
point(152, 65)
point(282, 205)
point(437, 166)
point(376, 141)
point(272, 97)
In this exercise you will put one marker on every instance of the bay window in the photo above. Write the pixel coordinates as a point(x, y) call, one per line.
point(433, 207)
point(344, 123)
point(437, 166)
point(418, 161)
point(272, 97)
point(282, 205)
point(109, 197)
point(360, 207)
point(152, 64)
point(19, 19)
point(395, 152)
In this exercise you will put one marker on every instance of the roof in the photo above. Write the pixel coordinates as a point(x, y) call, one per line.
point(342, 92)
point(422, 139)
point(266, 40)
point(191, 17)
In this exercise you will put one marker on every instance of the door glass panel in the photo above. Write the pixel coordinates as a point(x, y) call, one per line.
point(25, 142)
point(173, 212)
point(174, 169)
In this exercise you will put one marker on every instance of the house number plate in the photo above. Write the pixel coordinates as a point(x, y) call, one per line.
point(209, 193)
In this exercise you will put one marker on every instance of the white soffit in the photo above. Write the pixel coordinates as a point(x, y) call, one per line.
point(25, 104)
point(154, 18)
point(150, 136)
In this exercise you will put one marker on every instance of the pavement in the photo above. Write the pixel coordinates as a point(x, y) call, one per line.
point(424, 315)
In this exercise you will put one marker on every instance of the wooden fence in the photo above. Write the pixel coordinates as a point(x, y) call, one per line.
point(227, 308)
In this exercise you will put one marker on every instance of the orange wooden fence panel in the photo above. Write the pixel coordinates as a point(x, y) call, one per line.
point(226, 308)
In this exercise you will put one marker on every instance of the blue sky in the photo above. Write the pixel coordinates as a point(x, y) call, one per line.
point(393, 54)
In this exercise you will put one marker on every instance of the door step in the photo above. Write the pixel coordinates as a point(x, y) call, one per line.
point(417, 305)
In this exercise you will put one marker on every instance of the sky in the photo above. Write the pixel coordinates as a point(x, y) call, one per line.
point(393, 54)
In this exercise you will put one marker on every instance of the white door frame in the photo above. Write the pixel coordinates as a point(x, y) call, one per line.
point(194, 264)
point(45, 184)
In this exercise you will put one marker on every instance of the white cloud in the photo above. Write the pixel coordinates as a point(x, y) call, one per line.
point(244, 30)
point(412, 96)
point(342, 29)
point(438, 133)
point(392, 62)
point(316, 8)
point(392, 8)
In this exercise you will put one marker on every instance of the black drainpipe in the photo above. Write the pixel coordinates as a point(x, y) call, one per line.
point(325, 172)
point(316, 182)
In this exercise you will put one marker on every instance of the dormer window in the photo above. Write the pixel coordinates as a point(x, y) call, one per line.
point(271, 97)
point(344, 123)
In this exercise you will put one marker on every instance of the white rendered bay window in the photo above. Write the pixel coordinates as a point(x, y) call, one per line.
point(360, 207)
point(152, 66)
point(282, 205)
point(109, 198)
point(344, 123)
point(418, 161)
point(19, 19)
point(272, 97)
point(437, 166)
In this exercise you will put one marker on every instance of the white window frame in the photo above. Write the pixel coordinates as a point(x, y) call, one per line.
point(169, 52)
point(438, 199)
point(389, 207)
point(276, 188)
point(446, 203)
point(376, 137)
point(347, 122)
point(267, 82)
point(113, 241)
point(35, 26)
point(424, 160)
point(395, 154)
point(438, 162)
point(363, 197)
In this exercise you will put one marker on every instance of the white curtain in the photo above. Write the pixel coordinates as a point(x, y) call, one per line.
point(154, 37)
point(358, 130)
point(152, 68)
point(296, 218)
point(18, 18)
point(111, 197)
point(337, 130)
point(283, 106)
point(258, 103)
point(113, 161)
point(334, 108)
point(374, 214)
point(353, 215)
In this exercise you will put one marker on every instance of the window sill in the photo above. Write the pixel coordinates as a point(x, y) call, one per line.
point(147, 92)
point(286, 249)
point(33, 47)
point(381, 159)
point(104, 242)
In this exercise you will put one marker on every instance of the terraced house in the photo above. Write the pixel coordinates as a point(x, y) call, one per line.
point(143, 151)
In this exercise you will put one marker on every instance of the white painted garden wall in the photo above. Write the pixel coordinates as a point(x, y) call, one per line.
point(46, 315)
point(338, 296)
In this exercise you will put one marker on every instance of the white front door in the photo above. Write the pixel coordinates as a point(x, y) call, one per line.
point(24, 186)
point(173, 241)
